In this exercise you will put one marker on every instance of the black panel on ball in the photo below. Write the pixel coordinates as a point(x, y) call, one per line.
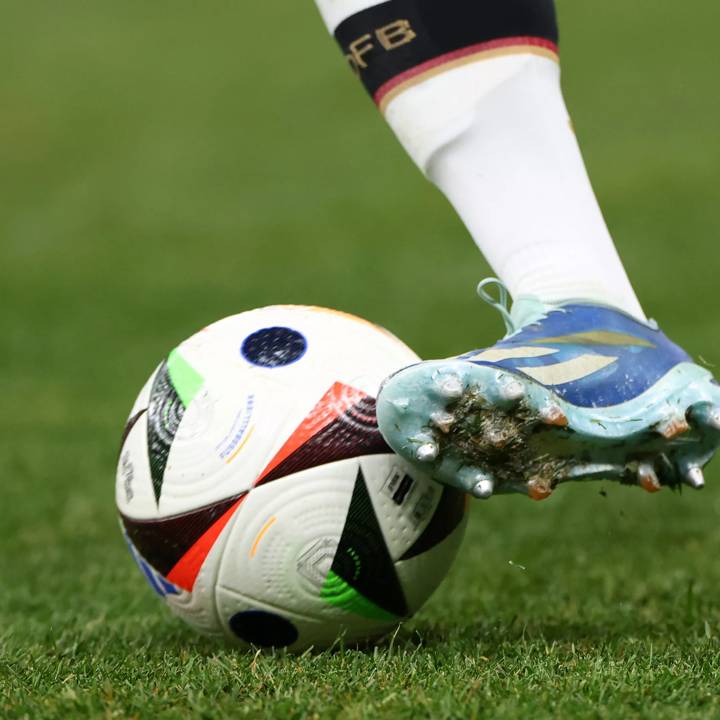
point(262, 628)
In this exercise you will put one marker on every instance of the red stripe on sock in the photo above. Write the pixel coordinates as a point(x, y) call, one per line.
point(450, 57)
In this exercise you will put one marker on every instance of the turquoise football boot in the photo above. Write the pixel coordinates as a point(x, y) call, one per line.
point(574, 391)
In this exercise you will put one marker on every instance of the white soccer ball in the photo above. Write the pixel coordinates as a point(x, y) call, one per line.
point(257, 495)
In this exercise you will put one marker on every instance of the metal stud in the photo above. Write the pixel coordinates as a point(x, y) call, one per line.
point(450, 386)
point(694, 478)
point(707, 414)
point(442, 420)
point(512, 391)
point(483, 489)
point(427, 452)
point(712, 418)
point(400, 404)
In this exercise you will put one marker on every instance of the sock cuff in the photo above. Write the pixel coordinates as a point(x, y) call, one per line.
point(394, 45)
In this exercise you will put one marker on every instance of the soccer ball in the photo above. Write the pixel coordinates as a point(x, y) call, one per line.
point(257, 495)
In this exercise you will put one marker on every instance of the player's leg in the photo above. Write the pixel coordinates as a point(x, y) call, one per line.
point(582, 386)
point(472, 90)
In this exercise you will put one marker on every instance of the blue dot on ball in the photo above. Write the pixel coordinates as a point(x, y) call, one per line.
point(274, 347)
point(263, 628)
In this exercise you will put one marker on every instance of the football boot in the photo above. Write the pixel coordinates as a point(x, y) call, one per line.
point(574, 391)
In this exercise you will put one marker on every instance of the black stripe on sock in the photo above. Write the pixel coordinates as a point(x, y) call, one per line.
point(393, 37)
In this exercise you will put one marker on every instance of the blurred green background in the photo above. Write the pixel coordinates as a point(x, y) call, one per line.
point(166, 164)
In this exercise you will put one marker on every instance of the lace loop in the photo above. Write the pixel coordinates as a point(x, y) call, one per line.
point(501, 304)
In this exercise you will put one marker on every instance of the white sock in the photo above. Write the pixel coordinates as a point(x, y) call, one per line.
point(483, 116)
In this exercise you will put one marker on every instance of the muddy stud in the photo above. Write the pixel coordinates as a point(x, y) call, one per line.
point(648, 479)
point(538, 490)
point(442, 420)
point(672, 427)
point(553, 415)
point(497, 439)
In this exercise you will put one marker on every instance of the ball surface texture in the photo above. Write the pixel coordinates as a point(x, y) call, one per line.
point(257, 495)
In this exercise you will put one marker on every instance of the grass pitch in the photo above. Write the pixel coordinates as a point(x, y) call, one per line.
point(165, 164)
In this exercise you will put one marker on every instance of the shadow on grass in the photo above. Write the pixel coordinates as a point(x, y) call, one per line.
point(486, 635)
point(474, 638)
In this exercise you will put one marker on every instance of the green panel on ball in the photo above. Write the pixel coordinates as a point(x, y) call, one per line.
point(339, 593)
point(185, 379)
